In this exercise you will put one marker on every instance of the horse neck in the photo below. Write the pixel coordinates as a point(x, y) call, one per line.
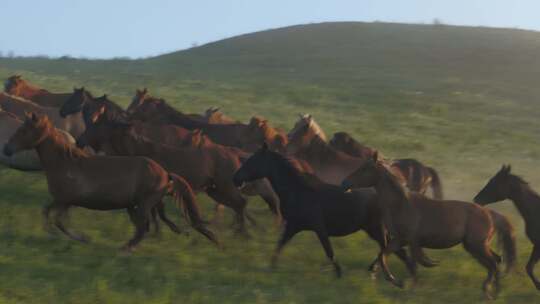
point(320, 150)
point(283, 180)
point(53, 151)
point(526, 200)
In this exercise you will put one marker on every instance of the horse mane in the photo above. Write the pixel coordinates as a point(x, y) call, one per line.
point(27, 84)
point(315, 127)
point(318, 146)
point(307, 179)
point(393, 180)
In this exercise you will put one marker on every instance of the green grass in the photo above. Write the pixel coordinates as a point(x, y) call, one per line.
point(464, 100)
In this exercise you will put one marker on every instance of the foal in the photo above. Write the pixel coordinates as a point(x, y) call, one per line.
point(417, 221)
point(74, 178)
point(505, 185)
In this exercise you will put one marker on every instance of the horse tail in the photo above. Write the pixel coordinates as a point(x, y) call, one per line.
point(185, 199)
point(505, 238)
point(435, 183)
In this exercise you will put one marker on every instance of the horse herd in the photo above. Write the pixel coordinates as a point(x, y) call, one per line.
point(99, 156)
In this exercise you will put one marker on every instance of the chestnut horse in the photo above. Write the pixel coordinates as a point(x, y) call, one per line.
point(74, 178)
point(91, 108)
point(418, 176)
point(17, 86)
point(154, 110)
point(19, 106)
point(417, 221)
point(505, 185)
point(23, 160)
point(208, 168)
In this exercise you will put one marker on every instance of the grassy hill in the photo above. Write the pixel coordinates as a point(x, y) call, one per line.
point(462, 99)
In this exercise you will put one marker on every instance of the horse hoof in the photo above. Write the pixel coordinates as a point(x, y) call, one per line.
point(83, 239)
point(399, 284)
point(373, 275)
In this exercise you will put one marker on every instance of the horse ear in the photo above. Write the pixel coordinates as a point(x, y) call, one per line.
point(145, 90)
point(28, 115)
point(264, 147)
point(508, 169)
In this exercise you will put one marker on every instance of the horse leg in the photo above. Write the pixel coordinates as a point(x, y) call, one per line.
point(394, 245)
point(139, 218)
point(46, 216)
point(265, 191)
point(497, 257)
point(154, 220)
point(325, 242)
point(61, 213)
point(533, 259)
point(161, 212)
point(231, 197)
point(285, 237)
point(482, 253)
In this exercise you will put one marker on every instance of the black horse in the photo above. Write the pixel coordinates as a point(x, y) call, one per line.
point(307, 203)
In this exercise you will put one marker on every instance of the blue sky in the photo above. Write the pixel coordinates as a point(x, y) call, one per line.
point(136, 28)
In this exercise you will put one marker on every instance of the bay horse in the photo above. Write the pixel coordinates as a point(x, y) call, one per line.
point(208, 169)
point(417, 221)
point(23, 160)
point(154, 110)
point(418, 177)
point(308, 204)
point(92, 108)
point(74, 125)
point(74, 178)
point(16, 85)
point(505, 185)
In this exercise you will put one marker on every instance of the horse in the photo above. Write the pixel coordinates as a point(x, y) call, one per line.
point(75, 178)
point(505, 185)
point(215, 116)
point(158, 111)
point(417, 221)
point(23, 160)
point(309, 204)
point(307, 141)
point(17, 86)
point(418, 177)
point(74, 125)
point(82, 101)
point(92, 108)
point(275, 138)
point(207, 168)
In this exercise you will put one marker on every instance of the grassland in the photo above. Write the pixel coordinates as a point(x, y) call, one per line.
point(464, 100)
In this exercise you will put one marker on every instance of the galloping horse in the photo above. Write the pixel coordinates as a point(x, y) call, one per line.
point(17, 86)
point(18, 106)
point(92, 108)
point(418, 176)
point(74, 178)
point(153, 110)
point(23, 160)
point(417, 221)
point(207, 168)
point(307, 203)
point(505, 185)
point(307, 141)
point(215, 116)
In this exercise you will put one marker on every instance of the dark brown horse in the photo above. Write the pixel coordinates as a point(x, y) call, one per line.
point(505, 185)
point(420, 222)
point(17, 86)
point(207, 168)
point(74, 178)
point(418, 176)
point(308, 204)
